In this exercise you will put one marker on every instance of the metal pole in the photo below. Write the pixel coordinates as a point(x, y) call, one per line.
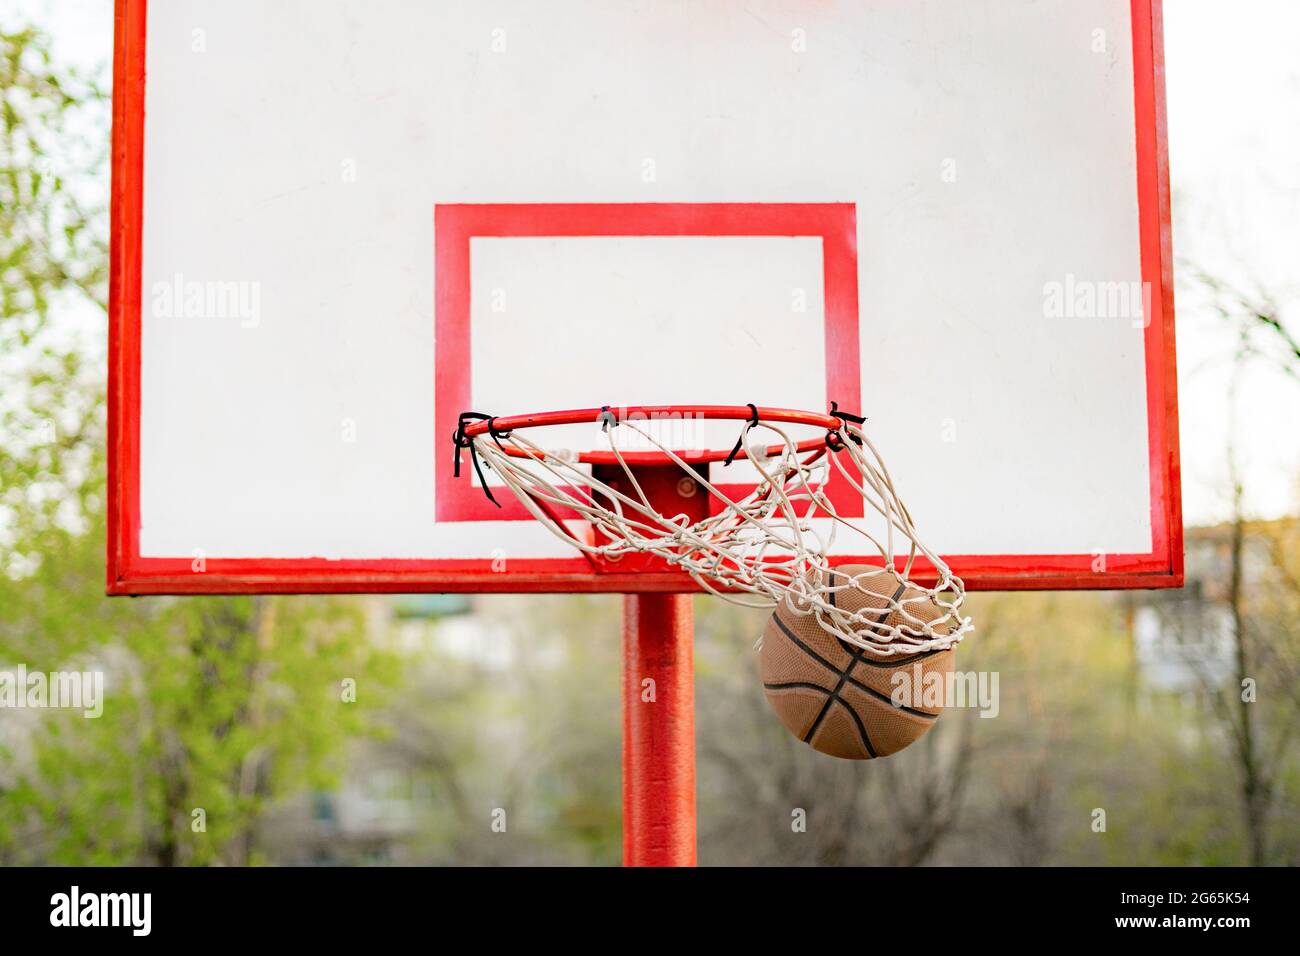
point(658, 730)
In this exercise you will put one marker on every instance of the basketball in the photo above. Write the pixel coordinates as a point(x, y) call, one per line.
point(835, 696)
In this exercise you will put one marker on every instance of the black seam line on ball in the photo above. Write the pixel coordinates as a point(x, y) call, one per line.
point(803, 685)
point(894, 662)
point(870, 691)
point(855, 655)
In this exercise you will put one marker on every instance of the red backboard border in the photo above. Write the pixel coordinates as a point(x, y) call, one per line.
point(129, 573)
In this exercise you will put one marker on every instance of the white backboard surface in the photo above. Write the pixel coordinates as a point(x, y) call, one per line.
point(337, 220)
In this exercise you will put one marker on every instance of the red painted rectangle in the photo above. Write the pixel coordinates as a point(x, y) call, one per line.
point(835, 224)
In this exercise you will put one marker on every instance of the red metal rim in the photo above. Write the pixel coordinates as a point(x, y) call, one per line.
point(740, 413)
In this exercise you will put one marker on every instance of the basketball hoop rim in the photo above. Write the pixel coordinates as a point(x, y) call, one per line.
point(577, 416)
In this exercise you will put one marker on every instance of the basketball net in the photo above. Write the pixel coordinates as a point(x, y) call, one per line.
point(768, 547)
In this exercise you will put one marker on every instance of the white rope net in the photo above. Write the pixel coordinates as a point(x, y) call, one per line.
point(766, 548)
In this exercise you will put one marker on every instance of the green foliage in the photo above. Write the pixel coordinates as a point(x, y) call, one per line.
point(213, 704)
point(52, 146)
point(52, 244)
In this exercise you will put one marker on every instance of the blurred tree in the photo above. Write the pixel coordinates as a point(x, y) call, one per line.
point(1259, 708)
point(1261, 732)
point(1257, 316)
point(521, 715)
point(216, 705)
point(1278, 662)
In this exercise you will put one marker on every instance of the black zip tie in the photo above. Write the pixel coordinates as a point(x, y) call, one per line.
point(833, 440)
point(607, 419)
point(496, 433)
point(753, 420)
point(462, 440)
point(473, 456)
point(846, 416)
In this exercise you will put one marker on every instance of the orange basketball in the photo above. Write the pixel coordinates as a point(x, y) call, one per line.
point(835, 696)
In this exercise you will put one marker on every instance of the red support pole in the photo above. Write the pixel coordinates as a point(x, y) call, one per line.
point(658, 731)
point(658, 690)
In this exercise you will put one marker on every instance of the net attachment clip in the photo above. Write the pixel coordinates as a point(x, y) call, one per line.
point(462, 441)
point(740, 440)
point(834, 441)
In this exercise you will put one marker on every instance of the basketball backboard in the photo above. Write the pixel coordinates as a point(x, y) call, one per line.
point(339, 224)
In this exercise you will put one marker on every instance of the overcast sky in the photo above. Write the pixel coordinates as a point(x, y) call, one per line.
point(1234, 143)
